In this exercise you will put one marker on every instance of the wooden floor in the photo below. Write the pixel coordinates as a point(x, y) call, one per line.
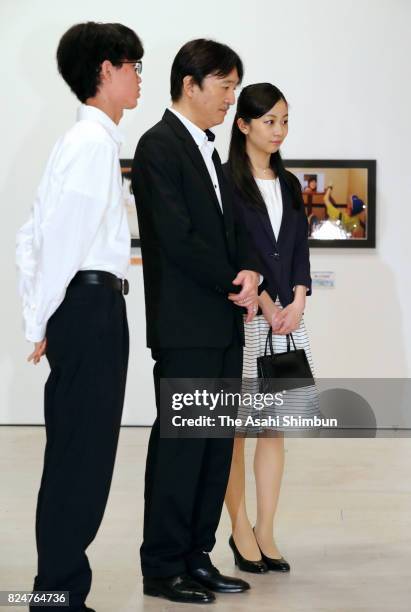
point(344, 524)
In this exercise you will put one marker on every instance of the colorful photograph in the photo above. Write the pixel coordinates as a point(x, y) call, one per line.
point(339, 200)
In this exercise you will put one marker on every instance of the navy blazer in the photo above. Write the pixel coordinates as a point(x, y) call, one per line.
point(284, 263)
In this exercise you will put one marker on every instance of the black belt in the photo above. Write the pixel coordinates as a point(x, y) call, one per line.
point(98, 277)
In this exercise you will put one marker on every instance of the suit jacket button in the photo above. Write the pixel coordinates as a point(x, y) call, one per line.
point(277, 256)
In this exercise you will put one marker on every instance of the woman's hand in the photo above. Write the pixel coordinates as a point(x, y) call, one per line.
point(39, 351)
point(269, 309)
point(271, 314)
point(289, 318)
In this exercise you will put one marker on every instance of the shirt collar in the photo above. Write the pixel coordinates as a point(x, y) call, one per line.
point(92, 113)
point(200, 136)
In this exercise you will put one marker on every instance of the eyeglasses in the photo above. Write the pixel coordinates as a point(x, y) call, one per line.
point(138, 66)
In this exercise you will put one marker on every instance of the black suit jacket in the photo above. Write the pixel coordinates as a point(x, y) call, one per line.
point(191, 251)
point(284, 263)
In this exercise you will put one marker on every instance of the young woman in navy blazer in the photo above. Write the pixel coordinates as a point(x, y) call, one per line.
point(269, 203)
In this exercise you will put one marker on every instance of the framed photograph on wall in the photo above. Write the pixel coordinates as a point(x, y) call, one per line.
point(128, 197)
point(339, 200)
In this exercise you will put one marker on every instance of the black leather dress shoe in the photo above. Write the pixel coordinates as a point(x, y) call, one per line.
point(180, 588)
point(274, 565)
point(245, 565)
point(213, 580)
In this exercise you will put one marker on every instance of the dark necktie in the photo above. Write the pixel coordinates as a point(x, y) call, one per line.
point(210, 135)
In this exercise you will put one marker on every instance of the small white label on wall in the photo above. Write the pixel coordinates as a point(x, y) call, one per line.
point(326, 280)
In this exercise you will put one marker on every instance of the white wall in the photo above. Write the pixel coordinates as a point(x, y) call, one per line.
point(344, 67)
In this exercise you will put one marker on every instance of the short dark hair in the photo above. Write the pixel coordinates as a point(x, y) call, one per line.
point(199, 58)
point(85, 46)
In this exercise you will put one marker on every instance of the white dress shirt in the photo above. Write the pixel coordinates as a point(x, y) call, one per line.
point(206, 147)
point(78, 220)
point(271, 191)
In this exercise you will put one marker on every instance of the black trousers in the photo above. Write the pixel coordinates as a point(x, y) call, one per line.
point(186, 479)
point(87, 349)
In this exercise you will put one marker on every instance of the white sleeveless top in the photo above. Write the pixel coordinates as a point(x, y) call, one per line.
point(271, 191)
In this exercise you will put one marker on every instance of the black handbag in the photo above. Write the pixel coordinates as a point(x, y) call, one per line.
point(283, 371)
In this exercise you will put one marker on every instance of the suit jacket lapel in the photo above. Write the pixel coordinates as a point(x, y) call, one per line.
point(226, 197)
point(193, 152)
point(266, 223)
point(199, 163)
point(265, 219)
point(287, 211)
point(224, 190)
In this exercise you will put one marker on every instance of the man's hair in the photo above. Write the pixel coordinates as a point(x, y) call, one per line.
point(200, 58)
point(85, 46)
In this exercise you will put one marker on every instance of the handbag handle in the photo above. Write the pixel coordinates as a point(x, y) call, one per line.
point(269, 343)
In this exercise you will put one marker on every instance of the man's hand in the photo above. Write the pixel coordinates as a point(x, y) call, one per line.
point(39, 350)
point(247, 298)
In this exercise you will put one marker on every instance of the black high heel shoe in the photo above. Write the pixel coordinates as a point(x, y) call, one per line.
point(255, 567)
point(274, 565)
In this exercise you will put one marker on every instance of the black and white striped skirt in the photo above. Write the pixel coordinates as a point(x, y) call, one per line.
point(302, 403)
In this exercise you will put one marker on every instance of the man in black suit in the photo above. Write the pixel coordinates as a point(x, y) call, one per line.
point(198, 273)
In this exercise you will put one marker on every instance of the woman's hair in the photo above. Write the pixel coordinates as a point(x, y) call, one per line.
point(254, 102)
point(199, 58)
point(85, 46)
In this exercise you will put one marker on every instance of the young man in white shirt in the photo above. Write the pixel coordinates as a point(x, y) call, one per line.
point(73, 255)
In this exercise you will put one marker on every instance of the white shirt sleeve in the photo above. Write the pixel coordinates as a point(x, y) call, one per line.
point(54, 242)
